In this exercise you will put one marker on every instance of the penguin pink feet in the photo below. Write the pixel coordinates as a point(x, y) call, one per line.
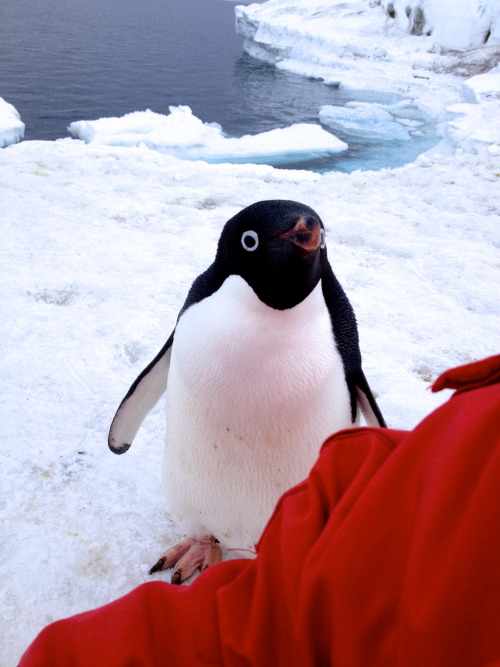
point(187, 556)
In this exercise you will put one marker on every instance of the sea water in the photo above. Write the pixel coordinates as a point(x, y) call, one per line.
point(68, 60)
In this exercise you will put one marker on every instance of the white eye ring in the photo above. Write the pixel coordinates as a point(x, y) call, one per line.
point(323, 239)
point(250, 240)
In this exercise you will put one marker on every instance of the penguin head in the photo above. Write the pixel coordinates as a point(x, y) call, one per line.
point(278, 247)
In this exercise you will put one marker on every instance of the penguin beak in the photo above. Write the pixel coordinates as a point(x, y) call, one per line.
point(306, 233)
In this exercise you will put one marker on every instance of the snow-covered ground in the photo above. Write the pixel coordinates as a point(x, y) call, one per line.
point(99, 247)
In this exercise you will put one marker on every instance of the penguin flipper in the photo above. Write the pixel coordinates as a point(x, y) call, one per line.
point(140, 399)
point(366, 401)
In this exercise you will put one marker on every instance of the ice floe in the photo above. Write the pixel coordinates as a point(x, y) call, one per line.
point(183, 135)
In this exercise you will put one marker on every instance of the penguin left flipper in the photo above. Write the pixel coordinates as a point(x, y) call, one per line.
point(366, 401)
point(187, 556)
point(142, 396)
point(345, 333)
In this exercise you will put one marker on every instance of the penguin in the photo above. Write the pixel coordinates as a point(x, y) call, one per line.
point(262, 366)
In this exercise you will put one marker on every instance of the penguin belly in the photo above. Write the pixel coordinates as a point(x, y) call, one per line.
point(252, 394)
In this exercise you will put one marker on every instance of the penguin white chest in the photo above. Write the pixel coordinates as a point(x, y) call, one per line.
point(252, 393)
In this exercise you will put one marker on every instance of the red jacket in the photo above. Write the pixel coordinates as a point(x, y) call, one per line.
point(388, 554)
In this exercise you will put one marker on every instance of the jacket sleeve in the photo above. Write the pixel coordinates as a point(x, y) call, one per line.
point(387, 555)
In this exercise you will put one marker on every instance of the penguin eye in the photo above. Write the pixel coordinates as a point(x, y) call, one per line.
point(323, 239)
point(250, 240)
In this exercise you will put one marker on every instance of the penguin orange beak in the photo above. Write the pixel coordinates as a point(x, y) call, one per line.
point(306, 233)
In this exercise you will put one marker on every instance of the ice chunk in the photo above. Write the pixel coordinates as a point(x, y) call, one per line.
point(183, 135)
point(474, 125)
point(472, 128)
point(179, 129)
point(370, 121)
point(482, 86)
point(11, 126)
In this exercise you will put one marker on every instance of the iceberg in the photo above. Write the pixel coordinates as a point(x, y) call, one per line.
point(11, 126)
point(183, 135)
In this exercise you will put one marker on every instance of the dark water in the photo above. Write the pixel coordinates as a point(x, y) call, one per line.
point(68, 60)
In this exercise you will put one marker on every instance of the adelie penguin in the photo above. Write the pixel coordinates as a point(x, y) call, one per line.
point(262, 366)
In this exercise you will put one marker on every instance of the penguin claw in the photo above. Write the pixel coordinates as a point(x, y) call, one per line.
point(158, 566)
point(187, 556)
point(176, 578)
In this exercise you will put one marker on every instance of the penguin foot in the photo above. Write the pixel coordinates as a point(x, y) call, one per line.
point(187, 556)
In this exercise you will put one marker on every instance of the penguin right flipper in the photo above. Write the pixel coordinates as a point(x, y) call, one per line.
point(147, 389)
point(140, 399)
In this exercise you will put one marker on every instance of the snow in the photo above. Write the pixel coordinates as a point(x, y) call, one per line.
point(183, 135)
point(100, 243)
point(11, 126)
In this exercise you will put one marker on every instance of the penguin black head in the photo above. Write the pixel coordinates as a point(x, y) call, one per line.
point(277, 247)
